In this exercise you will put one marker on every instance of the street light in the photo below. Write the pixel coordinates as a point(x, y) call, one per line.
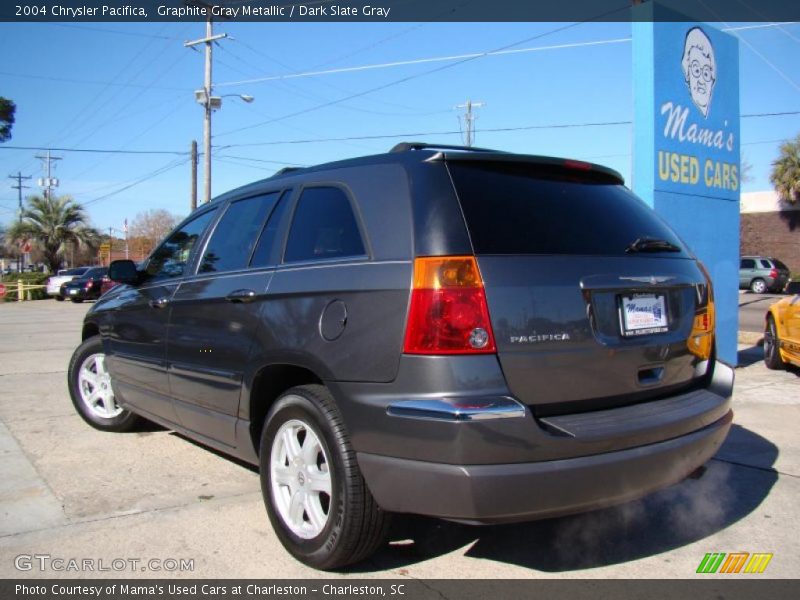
point(216, 101)
point(210, 104)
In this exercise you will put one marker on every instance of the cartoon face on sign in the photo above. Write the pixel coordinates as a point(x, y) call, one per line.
point(699, 68)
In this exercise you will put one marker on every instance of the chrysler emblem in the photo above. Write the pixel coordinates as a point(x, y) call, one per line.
point(652, 279)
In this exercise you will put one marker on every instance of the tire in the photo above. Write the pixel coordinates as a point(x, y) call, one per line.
point(758, 286)
point(77, 300)
point(91, 391)
point(320, 507)
point(772, 356)
point(59, 298)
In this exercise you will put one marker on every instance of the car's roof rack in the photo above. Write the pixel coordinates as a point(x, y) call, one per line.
point(406, 146)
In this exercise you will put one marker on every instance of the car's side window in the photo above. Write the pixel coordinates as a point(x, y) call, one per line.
point(747, 263)
point(765, 264)
point(235, 235)
point(261, 256)
point(172, 256)
point(323, 227)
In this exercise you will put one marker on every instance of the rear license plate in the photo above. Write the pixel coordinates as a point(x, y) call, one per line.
point(72, 292)
point(643, 314)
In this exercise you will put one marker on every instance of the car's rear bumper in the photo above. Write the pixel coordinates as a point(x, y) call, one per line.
point(526, 491)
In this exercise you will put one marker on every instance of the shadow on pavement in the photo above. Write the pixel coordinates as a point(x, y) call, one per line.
point(750, 356)
point(733, 484)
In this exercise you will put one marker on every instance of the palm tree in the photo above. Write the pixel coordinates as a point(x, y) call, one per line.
point(53, 223)
point(785, 174)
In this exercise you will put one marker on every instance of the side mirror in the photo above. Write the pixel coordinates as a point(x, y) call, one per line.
point(123, 271)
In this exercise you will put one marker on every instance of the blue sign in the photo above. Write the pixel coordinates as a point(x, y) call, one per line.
point(686, 147)
point(696, 111)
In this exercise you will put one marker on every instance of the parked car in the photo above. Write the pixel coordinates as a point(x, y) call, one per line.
point(55, 282)
point(106, 284)
point(782, 333)
point(86, 287)
point(473, 335)
point(761, 274)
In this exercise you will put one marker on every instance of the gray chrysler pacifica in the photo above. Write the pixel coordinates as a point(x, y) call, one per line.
point(462, 333)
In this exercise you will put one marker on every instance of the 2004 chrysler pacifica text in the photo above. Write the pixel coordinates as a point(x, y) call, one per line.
point(467, 334)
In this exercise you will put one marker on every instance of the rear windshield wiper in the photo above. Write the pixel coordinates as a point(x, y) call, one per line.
point(648, 244)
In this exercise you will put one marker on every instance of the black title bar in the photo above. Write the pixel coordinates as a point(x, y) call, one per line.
point(392, 10)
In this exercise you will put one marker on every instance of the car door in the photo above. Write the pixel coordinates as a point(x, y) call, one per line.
point(792, 324)
point(747, 267)
point(214, 321)
point(137, 327)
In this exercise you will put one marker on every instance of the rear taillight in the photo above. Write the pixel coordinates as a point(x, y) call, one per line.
point(89, 285)
point(448, 313)
point(701, 340)
point(578, 164)
point(773, 273)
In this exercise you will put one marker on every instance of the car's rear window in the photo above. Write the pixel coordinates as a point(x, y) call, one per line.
point(520, 208)
point(779, 265)
point(77, 271)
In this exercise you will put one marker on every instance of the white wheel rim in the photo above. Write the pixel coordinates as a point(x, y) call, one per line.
point(300, 479)
point(94, 387)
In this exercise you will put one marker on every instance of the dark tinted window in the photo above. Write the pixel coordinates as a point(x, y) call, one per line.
point(747, 263)
point(324, 226)
point(765, 264)
point(236, 233)
point(519, 208)
point(261, 257)
point(171, 257)
point(779, 265)
point(96, 273)
point(78, 271)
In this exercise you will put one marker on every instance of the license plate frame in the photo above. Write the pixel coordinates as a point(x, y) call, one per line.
point(643, 314)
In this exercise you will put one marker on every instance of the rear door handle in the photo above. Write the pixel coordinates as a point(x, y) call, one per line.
point(242, 296)
point(159, 302)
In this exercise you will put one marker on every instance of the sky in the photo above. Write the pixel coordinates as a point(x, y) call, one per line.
point(318, 88)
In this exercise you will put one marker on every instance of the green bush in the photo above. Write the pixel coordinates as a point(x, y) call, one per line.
point(10, 281)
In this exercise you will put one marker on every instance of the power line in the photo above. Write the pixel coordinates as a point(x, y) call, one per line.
point(168, 167)
point(430, 59)
point(361, 137)
point(115, 31)
point(417, 75)
point(91, 150)
point(771, 114)
point(261, 160)
point(418, 61)
point(415, 111)
point(90, 82)
point(423, 133)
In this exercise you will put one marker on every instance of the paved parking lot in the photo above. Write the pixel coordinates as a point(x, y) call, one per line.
point(68, 491)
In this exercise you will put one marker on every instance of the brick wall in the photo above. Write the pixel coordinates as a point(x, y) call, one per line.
point(773, 234)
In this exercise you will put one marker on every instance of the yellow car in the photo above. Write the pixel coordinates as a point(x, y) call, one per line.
point(782, 333)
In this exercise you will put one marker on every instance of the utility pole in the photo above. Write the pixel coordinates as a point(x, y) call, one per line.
point(193, 197)
point(19, 177)
point(469, 120)
point(48, 182)
point(205, 98)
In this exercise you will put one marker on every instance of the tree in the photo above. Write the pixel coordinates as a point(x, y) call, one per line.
point(53, 224)
point(785, 174)
point(151, 226)
point(7, 110)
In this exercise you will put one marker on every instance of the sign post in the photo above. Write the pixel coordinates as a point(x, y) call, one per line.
point(686, 146)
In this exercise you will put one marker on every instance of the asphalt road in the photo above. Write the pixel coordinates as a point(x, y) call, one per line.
point(68, 491)
point(752, 308)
